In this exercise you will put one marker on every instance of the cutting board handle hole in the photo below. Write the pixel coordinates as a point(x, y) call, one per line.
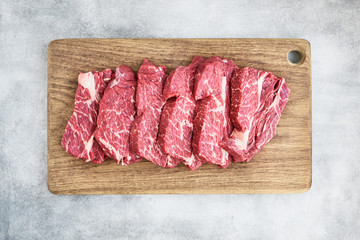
point(295, 57)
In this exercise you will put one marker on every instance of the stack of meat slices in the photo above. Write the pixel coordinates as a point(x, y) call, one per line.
point(185, 117)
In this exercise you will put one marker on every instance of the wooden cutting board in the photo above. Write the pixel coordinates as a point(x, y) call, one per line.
point(282, 166)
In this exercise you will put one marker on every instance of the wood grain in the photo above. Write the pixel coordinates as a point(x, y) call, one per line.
point(283, 165)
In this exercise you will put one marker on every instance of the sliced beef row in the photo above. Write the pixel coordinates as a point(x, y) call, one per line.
point(208, 112)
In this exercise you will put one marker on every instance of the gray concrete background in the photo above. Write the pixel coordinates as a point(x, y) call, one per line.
point(330, 210)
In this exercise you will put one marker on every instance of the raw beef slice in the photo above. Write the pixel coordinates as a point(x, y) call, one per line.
point(149, 104)
point(176, 124)
point(211, 123)
point(116, 115)
point(257, 101)
point(78, 139)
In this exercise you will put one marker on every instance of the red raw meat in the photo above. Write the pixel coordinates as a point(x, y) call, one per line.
point(116, 115)
point(149, 103)
point(78, 139)
point(257, 101)
point(211, 122)
point(176, 124)
point(208, 112)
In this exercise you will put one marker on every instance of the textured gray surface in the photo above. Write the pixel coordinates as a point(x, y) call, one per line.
point(330, 210)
